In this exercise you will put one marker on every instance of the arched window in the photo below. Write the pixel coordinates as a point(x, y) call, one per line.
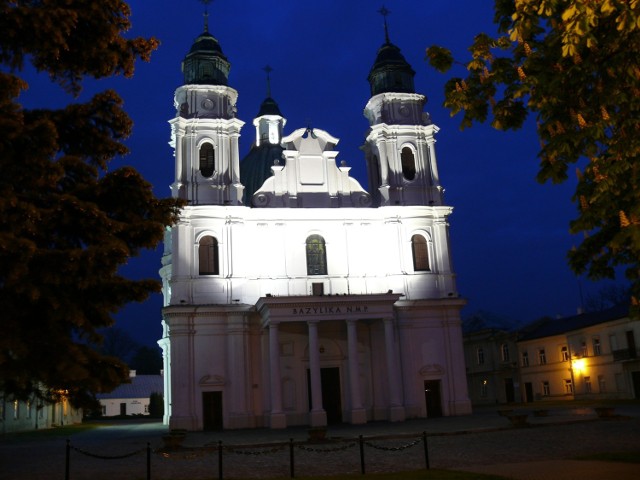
point(207, 160)
point(408, 163)
point(208, 256)
point(316, 256)
point(420, 252)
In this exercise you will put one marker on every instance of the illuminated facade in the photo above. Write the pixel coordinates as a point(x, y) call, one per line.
point(292, 295)
point(586, 356)
point(20, 415)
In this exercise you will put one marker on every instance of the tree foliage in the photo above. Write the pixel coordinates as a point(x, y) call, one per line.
point(68, 222)
point(575, 67)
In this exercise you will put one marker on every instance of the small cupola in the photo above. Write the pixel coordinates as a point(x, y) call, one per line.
point(390, 71)
point(205, 64)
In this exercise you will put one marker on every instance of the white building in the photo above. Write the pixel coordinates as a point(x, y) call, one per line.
point(132, 398)
point(586, 356)
point(20, 415)
point(293, 296)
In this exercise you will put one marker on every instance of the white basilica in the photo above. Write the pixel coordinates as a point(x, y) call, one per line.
point(292, 296)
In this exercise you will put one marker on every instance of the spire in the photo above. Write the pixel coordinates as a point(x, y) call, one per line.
point(269, 105)
point(206, 13)
point(268, 69)
point(390, 71)
point(384, 12)
point(205, 64)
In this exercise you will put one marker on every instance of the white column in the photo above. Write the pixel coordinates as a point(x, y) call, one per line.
point(318, 417)
point(396, 410)
point(358, 414)
point(183, 389)
point(278, 419)
point(432, 161)
point(384, 162)
point(238, 416)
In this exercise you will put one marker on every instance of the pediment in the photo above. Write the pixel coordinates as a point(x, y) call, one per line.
point(310, 176)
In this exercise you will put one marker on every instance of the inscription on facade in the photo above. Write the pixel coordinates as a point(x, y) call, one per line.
point(328, 310)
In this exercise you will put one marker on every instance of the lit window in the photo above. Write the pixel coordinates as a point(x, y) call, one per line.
point(316, 255)
point(208, 256)
point(568, 386)
point(596, 345)
point(408, 163)
point(207, 162)
point(546, 389)
point(16, 409)
point(480, 356)
point(583, 349)
point(620, 383)
point(525, 359)
point(564, 353)
point(542, 356)
point(602, 384)
point(504, 351)
point(420, 252)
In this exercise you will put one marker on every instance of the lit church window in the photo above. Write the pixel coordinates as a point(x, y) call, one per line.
point(316, 256)
point(420, 252)
point(408, 163)
point(206, 160)
point(208, 256)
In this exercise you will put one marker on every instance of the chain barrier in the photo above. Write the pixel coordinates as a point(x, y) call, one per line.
point(326, 450)
point(190, 453)
point(394, 449)
point(69, 448)
point(254, 452)
point(108, 457)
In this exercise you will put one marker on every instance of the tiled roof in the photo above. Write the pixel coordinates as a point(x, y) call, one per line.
point(547, 327)
point(141, 386)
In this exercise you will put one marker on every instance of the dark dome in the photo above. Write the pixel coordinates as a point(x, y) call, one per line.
point(205, 64)
point(255, 168)
point(269, 107)
point(391, 72)
point(206, 43)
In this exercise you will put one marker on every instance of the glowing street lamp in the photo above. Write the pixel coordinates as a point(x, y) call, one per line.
point(578, 364)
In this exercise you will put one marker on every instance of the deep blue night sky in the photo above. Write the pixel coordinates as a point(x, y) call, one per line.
point(509, 234)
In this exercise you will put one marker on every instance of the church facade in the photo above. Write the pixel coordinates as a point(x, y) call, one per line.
point(292, 295)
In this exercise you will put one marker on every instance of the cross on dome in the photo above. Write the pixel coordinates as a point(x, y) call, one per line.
point(385, 12)
point(206, 13)
point(268, 69)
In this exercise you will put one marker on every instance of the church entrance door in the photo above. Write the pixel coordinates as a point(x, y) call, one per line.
point(432, 398)
point(331, 393)
point(212, 410)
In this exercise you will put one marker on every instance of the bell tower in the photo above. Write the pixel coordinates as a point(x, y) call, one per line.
point(205, 130)
point(399, 148)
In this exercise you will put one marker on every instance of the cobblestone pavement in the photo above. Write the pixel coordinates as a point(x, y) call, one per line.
point(484, 442)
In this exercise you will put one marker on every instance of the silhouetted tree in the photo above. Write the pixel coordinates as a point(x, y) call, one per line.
point(116, 342)
point(607, 297)
point(146, 361)
point(156, 405)
point(67, 221)
point(574, 65)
